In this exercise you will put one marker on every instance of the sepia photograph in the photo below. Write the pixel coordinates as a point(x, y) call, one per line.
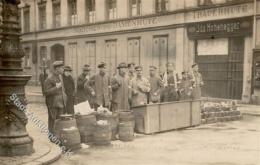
point(129, 82)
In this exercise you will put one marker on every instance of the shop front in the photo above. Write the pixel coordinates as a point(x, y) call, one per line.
point(223, 56)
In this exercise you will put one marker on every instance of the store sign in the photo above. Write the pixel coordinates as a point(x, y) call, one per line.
point(220, 28)
point(118, 25)
point(223, 11)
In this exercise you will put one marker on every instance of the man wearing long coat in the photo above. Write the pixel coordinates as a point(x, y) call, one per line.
point(120, 89)
point(69, 87)
point(83, 94)
point(197, 82)
point(100, 85)
point(140, 87)
point(55, 100)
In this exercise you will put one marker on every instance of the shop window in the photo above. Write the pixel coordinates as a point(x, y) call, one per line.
point(26, 15)
point(27, 57)
point(73, 17)
point(42, 16)
point(43, 55)
point(111, 9)
point(56, 14)
point(90, 11)
point(133, 50)
point(160, 52)
point(217, 46)
point(135, 7)
point(161, 6)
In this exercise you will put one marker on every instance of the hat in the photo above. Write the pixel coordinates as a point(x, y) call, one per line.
point(130, 64)
point(86, 67)
point(122, 65)
point(56, 64)
point(101, 65)
point(194, 65)
point(138, 68)
point(67, 68)
point(153, 67)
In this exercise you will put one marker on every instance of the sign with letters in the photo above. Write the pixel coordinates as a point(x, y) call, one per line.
point(222, 28)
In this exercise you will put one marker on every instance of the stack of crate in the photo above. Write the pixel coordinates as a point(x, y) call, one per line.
point(212, 112)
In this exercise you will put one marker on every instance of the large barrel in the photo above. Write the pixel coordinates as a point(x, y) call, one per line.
point(65, 121)
point(86, 125)
point(126, 116)
point(70, 138)
point(126, 131)
point(102, 135)
point(113, 121)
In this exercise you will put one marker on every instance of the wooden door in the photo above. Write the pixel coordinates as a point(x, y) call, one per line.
point(111, 56)
point(235, 68)
point(133, 51)
point(223, 74)
point(160, 52)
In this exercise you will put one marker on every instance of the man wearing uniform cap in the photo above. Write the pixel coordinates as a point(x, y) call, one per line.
point(54, 93)
point(120, 89)
point(156, 85)
point(140, 87)
point(69, 87)
point(83, 94)
point(197, 82)
point(170, 91)
point(100, 85)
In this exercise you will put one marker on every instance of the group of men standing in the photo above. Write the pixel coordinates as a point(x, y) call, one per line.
point(127, 88)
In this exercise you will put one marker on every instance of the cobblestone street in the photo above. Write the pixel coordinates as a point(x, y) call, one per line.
point(230, 143)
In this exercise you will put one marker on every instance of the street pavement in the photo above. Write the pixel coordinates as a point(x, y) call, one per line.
point(229, 143)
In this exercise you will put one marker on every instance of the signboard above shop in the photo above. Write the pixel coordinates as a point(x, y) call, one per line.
point(222, 28)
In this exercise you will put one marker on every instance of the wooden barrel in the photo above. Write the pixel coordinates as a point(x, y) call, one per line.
point(102, 135)
point(126, 131)
point(86, 125)
point(113, 121)
point(126, 116)
point(65, 121)
point(70, 138)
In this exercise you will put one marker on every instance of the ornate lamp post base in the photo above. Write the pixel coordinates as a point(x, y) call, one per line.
point(14, 139)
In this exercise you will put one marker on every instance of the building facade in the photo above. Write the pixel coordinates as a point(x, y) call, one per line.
point(219, 35)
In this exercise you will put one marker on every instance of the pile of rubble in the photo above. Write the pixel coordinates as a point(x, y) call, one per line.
point(213, 112)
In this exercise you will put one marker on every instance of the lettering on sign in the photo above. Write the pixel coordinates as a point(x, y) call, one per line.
point(223, 11)
point(242, 26)
point(139, 23)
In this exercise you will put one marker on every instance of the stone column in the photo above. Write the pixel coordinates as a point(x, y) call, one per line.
point(49, 15)
point(14, 139)
point(100, 10)
point(64, 12)
point(81, 9)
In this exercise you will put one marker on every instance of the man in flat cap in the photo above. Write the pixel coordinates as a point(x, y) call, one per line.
point(131, 70)
point(120, 89)
point(100, 84)
point(83, 94)
point(55, 96)
point(69, 87)
point(197, 82)
point(156, 85)
point(140, 87)
point(170, 91)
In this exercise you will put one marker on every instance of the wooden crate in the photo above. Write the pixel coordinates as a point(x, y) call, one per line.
point(147, 118)
point(154, 118)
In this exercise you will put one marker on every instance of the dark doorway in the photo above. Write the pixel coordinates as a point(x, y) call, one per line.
point(223, 74)
point(57, 53)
